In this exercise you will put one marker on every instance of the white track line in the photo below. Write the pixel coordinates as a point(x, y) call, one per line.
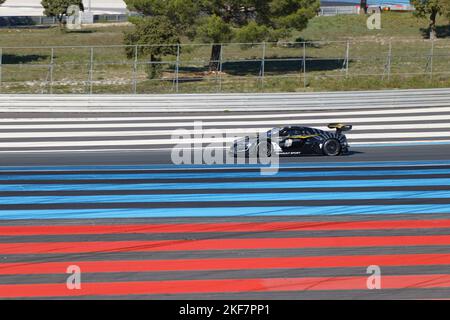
point(237, 131)
point(112, 149)
point(224, 117)
point(235, 123)
point(197, 140)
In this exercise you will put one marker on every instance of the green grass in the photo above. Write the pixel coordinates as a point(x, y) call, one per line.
point(28, 70)
point(393, 24)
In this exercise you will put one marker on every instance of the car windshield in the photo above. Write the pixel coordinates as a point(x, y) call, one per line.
point(273, 131)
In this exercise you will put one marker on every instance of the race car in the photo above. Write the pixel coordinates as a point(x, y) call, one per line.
point(295, 140)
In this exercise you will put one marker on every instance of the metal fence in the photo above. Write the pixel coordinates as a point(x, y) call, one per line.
point(241, 67)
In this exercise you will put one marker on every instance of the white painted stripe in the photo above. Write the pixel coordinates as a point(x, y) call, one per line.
point(233, 131)
point(109, 150)
point(118, 141)
point(168, 133)
point(225, 123)
point(226, 117)
point(397, 142)
point(112, 142)
point(398, 135)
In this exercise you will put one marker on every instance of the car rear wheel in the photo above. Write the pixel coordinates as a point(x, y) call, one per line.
point(331, 147)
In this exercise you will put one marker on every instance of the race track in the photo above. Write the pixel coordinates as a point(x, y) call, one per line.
point(311, 231)
point(140, 227)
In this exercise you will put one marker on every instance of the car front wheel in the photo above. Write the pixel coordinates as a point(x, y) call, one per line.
point(264, 150)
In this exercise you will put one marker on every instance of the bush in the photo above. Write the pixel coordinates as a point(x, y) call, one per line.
point(152, 34)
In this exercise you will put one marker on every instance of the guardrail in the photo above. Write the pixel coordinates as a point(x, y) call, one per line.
point(388, 99)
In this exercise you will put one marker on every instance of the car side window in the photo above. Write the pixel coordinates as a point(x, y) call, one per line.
point(297, 132)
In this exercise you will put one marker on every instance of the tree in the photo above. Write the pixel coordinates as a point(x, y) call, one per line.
point(431, 8)
point(1, 1)
point(152, 34)
point(58, 8)
point(214, 29)
point(220, 21)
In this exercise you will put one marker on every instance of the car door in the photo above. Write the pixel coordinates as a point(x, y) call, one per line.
point(298, 139)
point(291, 140)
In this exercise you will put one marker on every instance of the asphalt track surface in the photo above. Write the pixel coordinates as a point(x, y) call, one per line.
point(141, 228)
point(385, 153)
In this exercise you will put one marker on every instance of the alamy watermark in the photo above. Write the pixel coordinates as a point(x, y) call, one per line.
point(73, 18)
point(219, 146)
point(374, 20)
point(73, 282)
point(374, 280)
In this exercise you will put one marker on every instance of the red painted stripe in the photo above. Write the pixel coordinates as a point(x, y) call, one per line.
point(227, 264)
point(222, 227)
point(218, 244)
point(223, 286)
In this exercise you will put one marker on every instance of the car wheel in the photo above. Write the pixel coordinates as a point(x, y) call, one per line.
point(265, 149)
point(331, 147)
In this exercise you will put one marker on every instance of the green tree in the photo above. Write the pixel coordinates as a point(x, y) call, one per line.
point(58, 8)
point(152, 36)
point(431, 9)
point(220, 21)
point(214, 29)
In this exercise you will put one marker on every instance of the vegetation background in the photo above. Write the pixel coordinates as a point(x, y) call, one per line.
point(67, 67)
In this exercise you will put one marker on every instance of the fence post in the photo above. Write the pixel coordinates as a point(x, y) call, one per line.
point(91, 70)
point(52, 60)
point(347, 51)
point(431, 59)
point(388, 63)
point(177, 68)
point(304, 64)
point(135, 69)
point(263, 63)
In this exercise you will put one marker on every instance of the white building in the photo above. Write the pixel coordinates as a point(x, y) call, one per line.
point(34, 8)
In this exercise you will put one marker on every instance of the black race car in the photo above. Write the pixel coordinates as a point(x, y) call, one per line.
point(294, 140)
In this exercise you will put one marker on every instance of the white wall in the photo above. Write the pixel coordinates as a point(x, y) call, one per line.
point(34, 8)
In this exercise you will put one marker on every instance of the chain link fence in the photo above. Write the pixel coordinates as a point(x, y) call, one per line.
point(241, 67)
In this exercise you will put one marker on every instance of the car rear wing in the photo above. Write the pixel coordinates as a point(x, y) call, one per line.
point(340, 127)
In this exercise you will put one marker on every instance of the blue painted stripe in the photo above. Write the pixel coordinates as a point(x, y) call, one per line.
point(200, 175)
point(225, 212)
point(299, 164)
point(228, 185)
point(228, 197)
